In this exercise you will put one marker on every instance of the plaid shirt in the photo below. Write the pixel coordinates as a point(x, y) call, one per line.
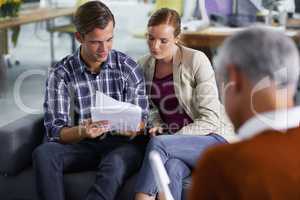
point(70, 84)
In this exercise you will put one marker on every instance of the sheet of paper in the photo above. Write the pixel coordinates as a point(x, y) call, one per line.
point(122, 116)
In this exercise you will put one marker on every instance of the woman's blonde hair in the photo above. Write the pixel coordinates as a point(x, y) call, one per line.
point(166, 16)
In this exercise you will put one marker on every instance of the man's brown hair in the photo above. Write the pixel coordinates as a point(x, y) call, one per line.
point(91, 15)
point(166, 16)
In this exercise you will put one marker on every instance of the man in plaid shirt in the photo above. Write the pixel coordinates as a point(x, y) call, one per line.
point(71, 85)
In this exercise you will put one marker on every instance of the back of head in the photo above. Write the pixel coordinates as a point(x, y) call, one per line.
point(260, 52)
point(91, 15)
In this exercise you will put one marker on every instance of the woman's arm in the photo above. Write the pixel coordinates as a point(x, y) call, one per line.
point(209, 113)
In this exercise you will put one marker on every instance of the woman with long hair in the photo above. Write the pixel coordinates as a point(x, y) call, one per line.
point(186, 115)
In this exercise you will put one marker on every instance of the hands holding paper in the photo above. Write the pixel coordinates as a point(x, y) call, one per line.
point(86, 129)
point(95, 129)
point(124, 118)
point(98, 128)
point(134, 133)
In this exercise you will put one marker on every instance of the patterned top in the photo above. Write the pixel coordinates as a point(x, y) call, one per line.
point(71, 89)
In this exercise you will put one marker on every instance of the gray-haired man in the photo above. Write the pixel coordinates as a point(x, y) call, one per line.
point(260, 69)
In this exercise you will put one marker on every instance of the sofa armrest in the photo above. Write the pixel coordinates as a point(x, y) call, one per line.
point(17, 141)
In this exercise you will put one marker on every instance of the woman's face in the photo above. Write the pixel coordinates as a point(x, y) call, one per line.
point(161, 41)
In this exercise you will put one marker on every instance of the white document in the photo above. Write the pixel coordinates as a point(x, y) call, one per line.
point(122, 116)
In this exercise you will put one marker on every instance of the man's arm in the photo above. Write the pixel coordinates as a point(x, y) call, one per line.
point(136, 93)
point(138, 87)
point(87, 130)
point(56, 105)
point(71, 135)
point(57, 114)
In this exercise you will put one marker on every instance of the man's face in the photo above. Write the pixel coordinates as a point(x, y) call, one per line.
point(96, 45)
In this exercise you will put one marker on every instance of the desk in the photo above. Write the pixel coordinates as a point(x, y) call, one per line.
point(207, 40)
point(31, 16)
point(36, 15)
point(213, 37)
point(25, 17)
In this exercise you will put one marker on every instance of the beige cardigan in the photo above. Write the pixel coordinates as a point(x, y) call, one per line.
point(196, 90)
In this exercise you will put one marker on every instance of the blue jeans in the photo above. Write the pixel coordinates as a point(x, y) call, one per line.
point(115, 157)
point(179, 153)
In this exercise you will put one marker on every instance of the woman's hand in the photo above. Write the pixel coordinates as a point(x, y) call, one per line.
point(155, 131)
point(133, 134)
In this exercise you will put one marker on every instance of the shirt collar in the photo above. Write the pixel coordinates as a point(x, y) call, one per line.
point(280, 120)
point(107, 63)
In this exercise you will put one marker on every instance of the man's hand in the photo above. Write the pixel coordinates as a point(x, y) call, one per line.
point(95, 129)
point(87, 129)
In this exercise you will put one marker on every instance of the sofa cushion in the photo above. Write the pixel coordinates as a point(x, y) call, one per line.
point(17, 141)
point(22, 186)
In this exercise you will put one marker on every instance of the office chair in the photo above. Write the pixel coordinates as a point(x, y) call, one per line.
point(160, 174)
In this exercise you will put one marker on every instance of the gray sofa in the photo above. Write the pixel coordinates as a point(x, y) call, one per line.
point(17, 142)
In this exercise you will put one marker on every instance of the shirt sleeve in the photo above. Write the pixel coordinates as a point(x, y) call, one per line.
point(56, 105)
point(136, 93)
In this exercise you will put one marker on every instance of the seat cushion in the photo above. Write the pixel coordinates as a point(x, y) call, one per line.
point(22, 186)
point(17, 141)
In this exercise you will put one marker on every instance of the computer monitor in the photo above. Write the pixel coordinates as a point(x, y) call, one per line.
point(218, 7)
point(248, 7)
point(233, 13)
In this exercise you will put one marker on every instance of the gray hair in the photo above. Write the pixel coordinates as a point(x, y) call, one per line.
point(260, 52)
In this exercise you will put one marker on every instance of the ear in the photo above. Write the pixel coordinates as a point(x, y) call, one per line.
point(235, 77)
point(79, 37)
point(177, 39)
